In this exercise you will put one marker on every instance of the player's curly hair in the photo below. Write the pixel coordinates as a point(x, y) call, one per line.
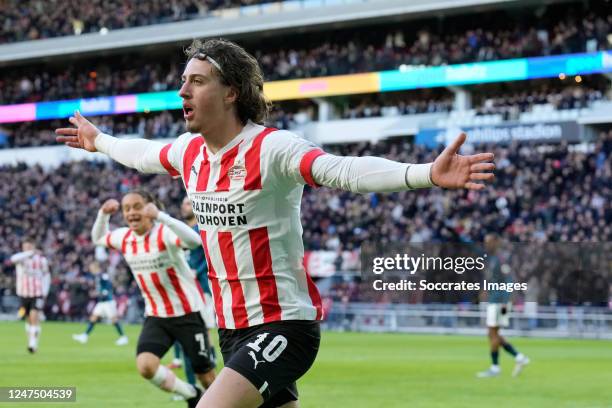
point(240, 70)
point(148, 197)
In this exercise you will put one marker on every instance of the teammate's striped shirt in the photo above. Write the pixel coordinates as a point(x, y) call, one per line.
point(157, 261)
point(32, 274)
point(246, 199)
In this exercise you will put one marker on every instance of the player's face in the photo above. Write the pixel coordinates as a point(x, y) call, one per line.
point(27, 246)
point(206, 101)
point(186, 210)
point(491, 243)
point(132, 207)
point(94, 268)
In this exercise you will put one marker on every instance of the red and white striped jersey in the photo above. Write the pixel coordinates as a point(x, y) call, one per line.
point(157, 261)
point(32, 274)
point(246, 199)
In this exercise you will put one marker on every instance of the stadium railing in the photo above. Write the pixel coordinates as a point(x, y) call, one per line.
point(530, 319)
point(526, 320)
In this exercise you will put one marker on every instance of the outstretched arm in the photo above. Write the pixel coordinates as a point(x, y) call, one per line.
point(369, 174)
point(140, 154)
point(22, 256)
point(184, 232)
point(372, 174)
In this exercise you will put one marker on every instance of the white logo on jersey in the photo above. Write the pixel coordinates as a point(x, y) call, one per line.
point(237, 172)
point(254, 357)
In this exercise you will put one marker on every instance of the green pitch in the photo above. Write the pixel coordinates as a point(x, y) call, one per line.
point(352, 370)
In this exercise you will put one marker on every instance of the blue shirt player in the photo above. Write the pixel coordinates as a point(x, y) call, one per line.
point(106, 307)
point(197, 262)
point(498, 311)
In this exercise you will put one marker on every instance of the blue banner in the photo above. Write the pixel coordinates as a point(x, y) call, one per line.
point(402, 79)
point(552, 132)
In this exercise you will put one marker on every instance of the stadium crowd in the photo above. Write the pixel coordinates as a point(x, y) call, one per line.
point(509, 103)
point(326, 53)
point(157, 125)
point(393, 105)
point(37, 19)
point(556, 193)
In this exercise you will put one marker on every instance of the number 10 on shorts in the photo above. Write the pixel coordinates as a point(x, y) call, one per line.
point(272, 350)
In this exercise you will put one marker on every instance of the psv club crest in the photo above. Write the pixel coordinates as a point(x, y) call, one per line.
point(237, 172)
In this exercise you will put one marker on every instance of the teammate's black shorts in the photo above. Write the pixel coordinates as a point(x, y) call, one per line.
point(32, 303)
point(159, 334)
point(272, 356)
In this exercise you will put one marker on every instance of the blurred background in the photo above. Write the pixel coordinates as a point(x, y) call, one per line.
point(528, 80)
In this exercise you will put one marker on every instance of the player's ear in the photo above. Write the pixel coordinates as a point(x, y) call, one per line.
point(231, 95)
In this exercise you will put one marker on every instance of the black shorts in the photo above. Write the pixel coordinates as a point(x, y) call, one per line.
point(159, 334)
point(272, 356)
point(32, 303)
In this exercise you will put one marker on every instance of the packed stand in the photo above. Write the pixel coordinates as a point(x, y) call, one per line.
point(562, 95)
point(509, 103)
point(37, 19)
point(395, 104)
point(155, 125)
point(56, 208)
point(562, 29)
point(548, 193)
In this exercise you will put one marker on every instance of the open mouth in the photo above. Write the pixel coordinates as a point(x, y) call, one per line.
point(133, 220)
point(188, 112)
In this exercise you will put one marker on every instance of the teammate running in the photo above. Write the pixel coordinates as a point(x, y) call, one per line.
point(498, 313)
point(106, 307)
point(153, 245)
point(245, 183)
point(33, 280)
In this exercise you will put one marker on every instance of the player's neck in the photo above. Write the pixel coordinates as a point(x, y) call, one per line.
point(143, 231)
point(191, 221)
point(220, 136)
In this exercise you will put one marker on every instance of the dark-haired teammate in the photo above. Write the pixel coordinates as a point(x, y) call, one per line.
point(153, 246)
point(245, 182)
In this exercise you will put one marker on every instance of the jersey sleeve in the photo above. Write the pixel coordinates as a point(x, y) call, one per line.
point(21, 256)
point(177, 234)
point(45, 265)
point(114, 239)
point(171, 154)
point(146, 156)
point(101, 235)
point(292, 156)
point(171, 240)
point(46, 279)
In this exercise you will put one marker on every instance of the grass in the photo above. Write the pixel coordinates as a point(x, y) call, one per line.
point(352, 370)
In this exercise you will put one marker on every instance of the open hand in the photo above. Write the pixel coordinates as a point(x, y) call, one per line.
point(451, 170)
point(82, 136)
